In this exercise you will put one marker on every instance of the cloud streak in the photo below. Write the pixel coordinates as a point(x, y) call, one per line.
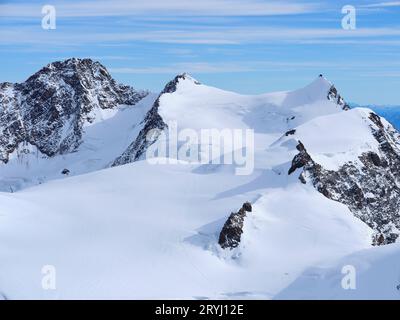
point(102, 8)
point(215, 35)
point(253, 66)
point(195, 67)
point(383, 4)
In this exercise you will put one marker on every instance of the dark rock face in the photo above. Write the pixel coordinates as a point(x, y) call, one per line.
point(171, 86)
point(233, 228)
point(334, 96)
point(370, 188)
point(152, 123)
point(300, 160)
point(290, 132)
point(50, 108)
point(12, 130)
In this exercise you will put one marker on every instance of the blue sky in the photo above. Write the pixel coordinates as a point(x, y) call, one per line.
point(248, 46)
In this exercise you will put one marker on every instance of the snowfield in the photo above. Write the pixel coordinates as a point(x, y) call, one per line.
point(334, 145)
point(377, 277)
point(142, 231)
point(145, 231)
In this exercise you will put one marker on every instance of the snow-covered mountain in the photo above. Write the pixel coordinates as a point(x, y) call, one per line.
point(198, 106)
point(345, 149)
point(356, 163)
point(53, 115)
point(324, 186)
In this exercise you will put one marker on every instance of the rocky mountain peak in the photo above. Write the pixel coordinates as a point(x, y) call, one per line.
point(152, 122)
point(71, 70)
point(171, 86)
point(50, 108)
point(84, 76)
point(319, 84)
point(318, 90)
point(323, 84)
point(327, 88)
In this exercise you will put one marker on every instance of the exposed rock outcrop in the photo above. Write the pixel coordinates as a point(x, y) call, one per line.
point(301, 159)
point(334, 96)
point(290, 132)
point(233, 228)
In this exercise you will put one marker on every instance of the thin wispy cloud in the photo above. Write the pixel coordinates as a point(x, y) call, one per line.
point(146, 42)
point(251, 66)
point(197, 67)
point(163, 8)
point(383, 4)
point(385, 74)
point(196, 35)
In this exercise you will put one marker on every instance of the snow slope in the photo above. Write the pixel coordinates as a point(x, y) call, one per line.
point(377, 276)
point(335, 139)
point(143, 231)
point(199, 106)
point(146, 231)
point(188, 104)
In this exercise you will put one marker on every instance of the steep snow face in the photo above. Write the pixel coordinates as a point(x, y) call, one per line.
point(54, 114)
point(196, 106)
point(353, 158)
point(319, 90)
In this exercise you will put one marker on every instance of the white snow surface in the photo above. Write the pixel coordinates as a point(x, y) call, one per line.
point(143, 231)
point(377, 276)
point(335, 139)
point(199, 106)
